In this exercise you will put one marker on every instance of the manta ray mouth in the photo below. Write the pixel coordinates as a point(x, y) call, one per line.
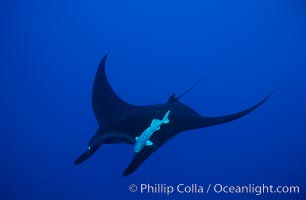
point(117, 138)
point(106, 138)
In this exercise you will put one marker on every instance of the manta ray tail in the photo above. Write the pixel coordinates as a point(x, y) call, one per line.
point(193, 86)
point(173, 98)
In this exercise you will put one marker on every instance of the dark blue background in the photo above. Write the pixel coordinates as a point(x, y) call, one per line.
point(50, 51)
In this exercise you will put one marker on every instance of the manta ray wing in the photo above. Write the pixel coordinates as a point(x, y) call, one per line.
point(107, 106)
point(211, 121)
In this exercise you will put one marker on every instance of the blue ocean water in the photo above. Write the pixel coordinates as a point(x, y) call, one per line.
point(50, 51)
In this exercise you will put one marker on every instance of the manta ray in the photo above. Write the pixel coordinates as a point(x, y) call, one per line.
point(121, 122)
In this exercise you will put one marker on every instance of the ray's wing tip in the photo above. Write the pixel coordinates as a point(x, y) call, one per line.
point(268, 96)
point(101, 67)
point(271, 93)
point(103, 59)
point(261, 102)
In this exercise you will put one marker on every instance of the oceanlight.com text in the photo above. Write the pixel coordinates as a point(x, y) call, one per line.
point(195, 188)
